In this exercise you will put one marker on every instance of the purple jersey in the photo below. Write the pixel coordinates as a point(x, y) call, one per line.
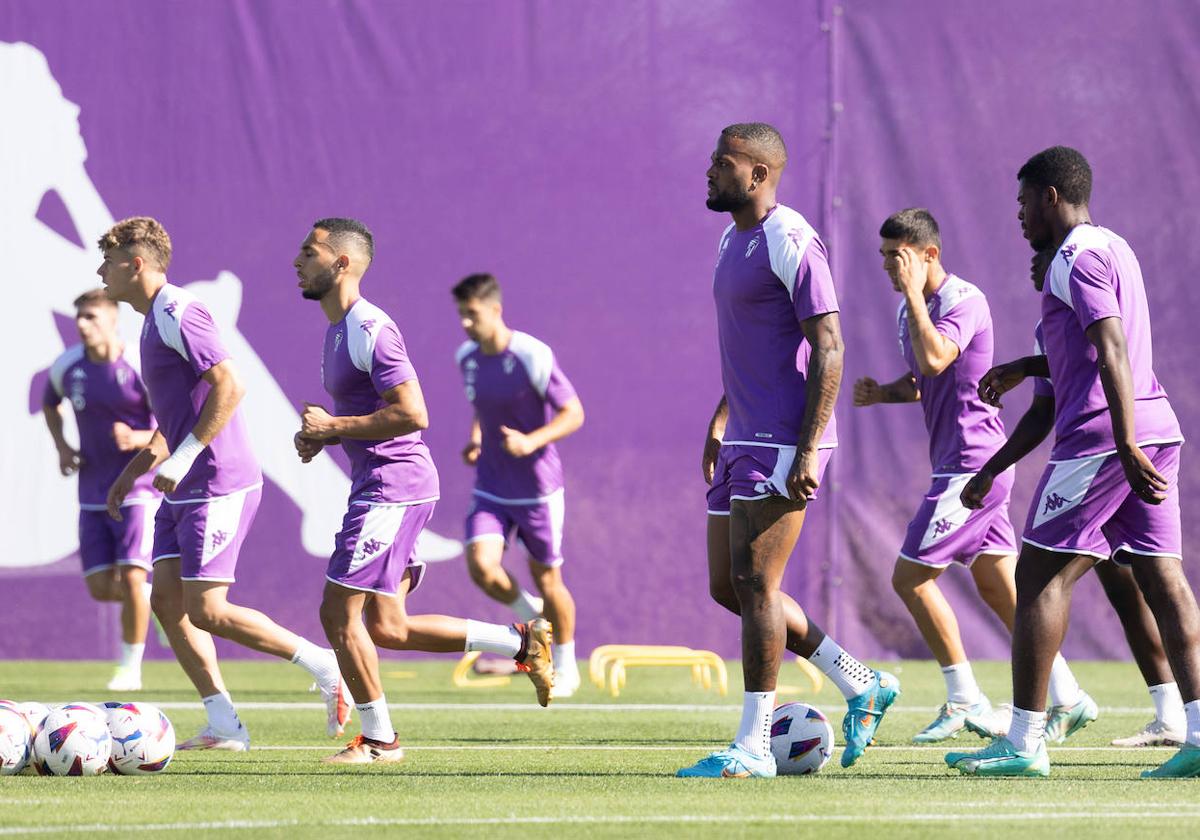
point(768, 279)
point(179, 344)
point(963, 430)
point(364, 357)
point(102, 393)
point(1095, 275)
point(1042, 386)
point(521, 387)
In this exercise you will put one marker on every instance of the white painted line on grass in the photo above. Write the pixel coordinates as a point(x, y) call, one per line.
point(667, 748)
point(557, 707)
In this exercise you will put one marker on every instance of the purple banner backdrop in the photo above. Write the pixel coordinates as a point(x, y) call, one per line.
point(563, 147)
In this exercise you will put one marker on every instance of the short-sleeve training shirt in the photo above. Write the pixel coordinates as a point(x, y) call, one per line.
point(364, 357)
point(180, 343)
point(768, 279)
point(521, 387)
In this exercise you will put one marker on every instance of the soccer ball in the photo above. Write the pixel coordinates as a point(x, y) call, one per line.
point(16, 741)
point(35, 713)
point(143, 740)
point(73, 741)
point(801, 739)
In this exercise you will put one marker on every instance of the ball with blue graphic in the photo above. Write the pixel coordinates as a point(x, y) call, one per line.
point(801, 739)
point(16, 741)
point(143, 740)
point(73, 741)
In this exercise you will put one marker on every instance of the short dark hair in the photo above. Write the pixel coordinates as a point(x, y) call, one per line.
point(914, 225)
point(94, 296)
point(476, 287)
point(348, 231)
point(1063, 168)
point(765, 138)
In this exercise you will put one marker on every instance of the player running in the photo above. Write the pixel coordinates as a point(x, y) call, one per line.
point(945, 333)
point(202, 462)
point(523, 404)
point(378, 414)
point(1110, 489)
point(114, 421)
point(769, 441)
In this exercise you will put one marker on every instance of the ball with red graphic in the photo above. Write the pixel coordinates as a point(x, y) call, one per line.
point(72, 741)
point(801, 739)
point(143, 740)
point(16, 741)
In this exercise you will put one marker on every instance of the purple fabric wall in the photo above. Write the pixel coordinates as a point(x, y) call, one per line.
point(563, 147)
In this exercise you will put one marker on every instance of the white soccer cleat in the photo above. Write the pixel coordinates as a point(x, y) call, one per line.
point(210, 740)
point(337, 707)
point(1156, 733)
point(126, 679)
point(566, 683)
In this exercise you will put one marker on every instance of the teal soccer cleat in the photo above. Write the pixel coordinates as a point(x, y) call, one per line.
point(952, 719)
point(731, 763)
point(1185, 764)
point(1062, 721)
point(865, 714)
point(1000, 758)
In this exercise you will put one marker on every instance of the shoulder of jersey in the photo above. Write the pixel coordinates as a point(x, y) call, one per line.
point(367, 317)
point(465, 349)
point(787, 228)
point(1082, 239)
point(65, 361)
point(956, 290)
point(536, 356)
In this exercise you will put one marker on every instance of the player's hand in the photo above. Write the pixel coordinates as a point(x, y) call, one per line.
point(708, 461)
point(164, 484)
point(802, 480)
point(999, 381)
point(867, 392)
point(307, 448)
point(911, 270)
point(471, 452)
point(316, 422)
point(116, 495)
point(123, 437)
point(517, 444)
point(976, 490)
point(68, 460)
point(1147, 482)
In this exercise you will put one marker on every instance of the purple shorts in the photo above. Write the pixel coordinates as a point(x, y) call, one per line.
point(754, 472)
point(104, 542)
point(1085, 506)
point(539, 526)
point(945, 532)
point(206, 536)
point(377, 546)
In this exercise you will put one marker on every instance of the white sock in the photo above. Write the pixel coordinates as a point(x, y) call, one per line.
point(131, 656)
point(222, 717)
point(525, 606)
point(375, 720)
point(564, 657)
point(961, 687)
point(318, 661)
point(1168, 705)
point(1027, 729)
point(754, 732)
point(493, 638)
point(1192, 711)
point(850, 676)
point(1064, 689)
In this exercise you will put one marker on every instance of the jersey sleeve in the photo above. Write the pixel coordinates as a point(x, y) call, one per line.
point(1093, 291)
point(1042, 387)
point(814, 293)
point(559, 391)
point(201, 340)
point(963, 321)
point(51, 395)
point(390, 365)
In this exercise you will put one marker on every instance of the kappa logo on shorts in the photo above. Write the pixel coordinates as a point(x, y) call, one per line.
point(1054, 502)
point(942, 526)
point(219, 538)
point(371, 547)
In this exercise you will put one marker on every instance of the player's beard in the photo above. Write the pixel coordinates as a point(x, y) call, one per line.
point(727, 202)
point(319, 286)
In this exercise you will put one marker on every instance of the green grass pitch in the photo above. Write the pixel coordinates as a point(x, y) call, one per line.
point(489, 763)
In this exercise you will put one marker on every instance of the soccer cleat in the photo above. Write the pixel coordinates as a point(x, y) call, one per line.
point(731, 763)
point(126, 678)
point(367, 751)
point(209, 740)
point(865, 714)
point(337, 707)
point(565, 684)
point(1000, 758)
point(1153, 734)
point(951, 720)
point(994, 725)
point(1185, 764)
point(1062, 721)
point(534, 658)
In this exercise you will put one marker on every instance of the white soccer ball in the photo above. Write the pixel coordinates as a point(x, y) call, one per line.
point(35, 713)
point(143, 740)
point(16, 741)
point(73, 741)
point(801, 739)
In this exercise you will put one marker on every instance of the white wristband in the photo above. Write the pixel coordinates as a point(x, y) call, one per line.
point(181, 460)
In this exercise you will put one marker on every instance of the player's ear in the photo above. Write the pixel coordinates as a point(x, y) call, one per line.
point(932, 252)
point(138, 263)
point(759, 174)
point(1052, 196)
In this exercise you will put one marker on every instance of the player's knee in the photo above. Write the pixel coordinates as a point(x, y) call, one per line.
point(167, 606)
point(387, 632)
point(722, 592)
point(333, 619)
point(749, 587)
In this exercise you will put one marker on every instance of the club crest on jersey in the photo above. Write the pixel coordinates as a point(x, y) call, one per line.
point(508, 364)
point(750, 248)
point(122, 377)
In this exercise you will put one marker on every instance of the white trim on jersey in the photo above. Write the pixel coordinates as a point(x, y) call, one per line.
point(953, 291)
point(1081, 239)
point(723, 242)
point(465, 349)
point(536, 357)
point(773, 445)
point(788, 235)
point(361, 338)
point(59, 369)
point(169, 323)
point(500, 500)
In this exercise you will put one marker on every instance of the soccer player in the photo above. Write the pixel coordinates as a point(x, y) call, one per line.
point(378, 414)
point(769, 441)
point(945, 333)
point(1110, 489)
point(203, 463)
point(523, 403)
point(114, 421)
